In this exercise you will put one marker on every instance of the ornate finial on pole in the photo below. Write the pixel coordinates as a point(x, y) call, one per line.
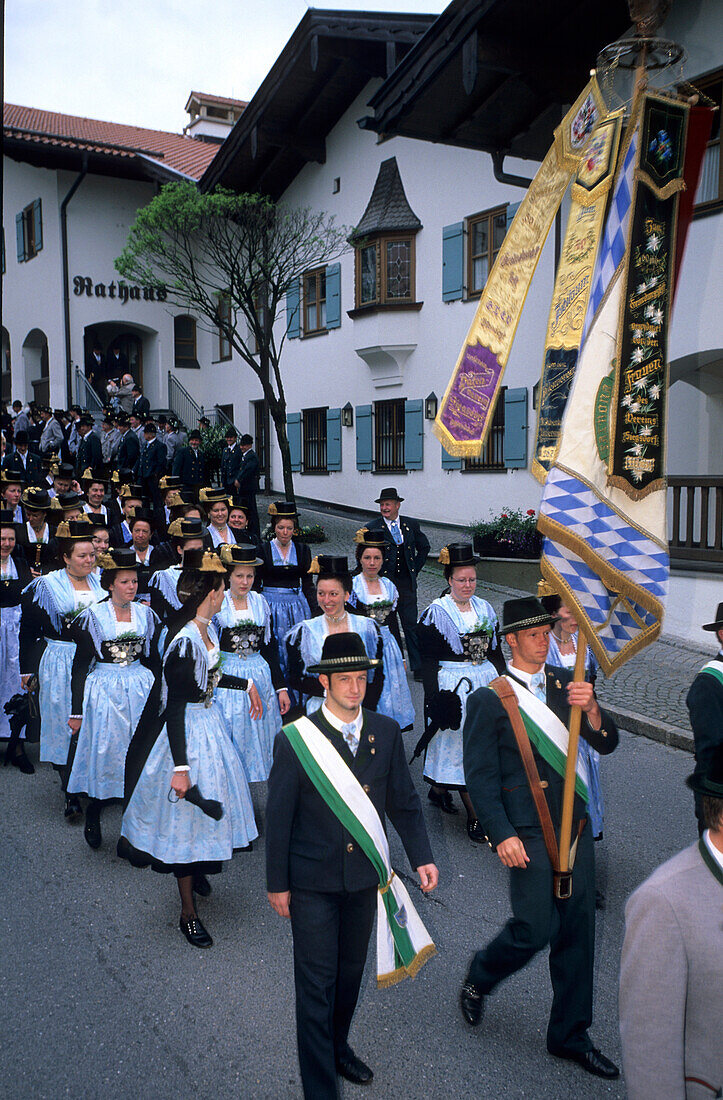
point(648, 15)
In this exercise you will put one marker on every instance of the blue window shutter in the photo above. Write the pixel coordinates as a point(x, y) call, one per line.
point(452, 262)
point(38, 219)
point(292, 310)
point(363, 421)
point(333, 296)
point(449, 462)
point(333, 438)
point(515, 438)
point(20, 237)
point(512, 208)
point(293, 430)
point(413, 435)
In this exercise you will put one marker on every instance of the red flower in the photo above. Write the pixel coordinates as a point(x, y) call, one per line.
point(504, 516)
point(531, 512)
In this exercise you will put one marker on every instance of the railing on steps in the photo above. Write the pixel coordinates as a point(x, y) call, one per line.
point(85, 395)
point(696, 520)
point(217, 416)
point(183, 405)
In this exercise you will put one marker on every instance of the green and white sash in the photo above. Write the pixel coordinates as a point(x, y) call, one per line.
point(403, 943)
point(549, 736)
point(714, 668)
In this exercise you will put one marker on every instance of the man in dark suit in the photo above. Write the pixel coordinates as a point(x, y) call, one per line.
point(95, 369)
point(248, 481)
point(116, 364)
point(129, 448)
point(90, 452)
point(318, 875)
point(23, 462)
point(705, 707)
point(141, 405)
point(189, 464)
point(152, 465)
point(407, 549)
point(131, 499)
point(231, 462)
point(498, 786)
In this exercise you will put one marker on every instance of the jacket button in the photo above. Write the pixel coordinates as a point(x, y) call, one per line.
point(366, 788)
point(372, 751)
point(371, 738)
point(350, 847)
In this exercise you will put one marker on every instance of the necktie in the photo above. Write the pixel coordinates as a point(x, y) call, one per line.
point(538, 686)
point(396, 533)
point(350, 735)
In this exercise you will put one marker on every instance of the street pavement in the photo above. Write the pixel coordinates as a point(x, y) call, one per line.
point(104, 997)
point(647, 695)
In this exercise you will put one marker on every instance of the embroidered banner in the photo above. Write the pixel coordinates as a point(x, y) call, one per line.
point(573, 283)
point(639, 408)
point(467, 408)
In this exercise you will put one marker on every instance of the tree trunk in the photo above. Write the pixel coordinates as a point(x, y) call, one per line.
point(277, 410)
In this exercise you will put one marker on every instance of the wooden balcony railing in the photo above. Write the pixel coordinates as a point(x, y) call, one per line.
point(695, 514)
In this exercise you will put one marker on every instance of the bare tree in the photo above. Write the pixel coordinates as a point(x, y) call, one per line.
point(230, 259)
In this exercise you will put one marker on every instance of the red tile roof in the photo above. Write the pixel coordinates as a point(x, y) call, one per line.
point(217, 99)
point(184, 154)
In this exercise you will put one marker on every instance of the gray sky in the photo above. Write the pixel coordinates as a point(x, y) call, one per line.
point(136, 61)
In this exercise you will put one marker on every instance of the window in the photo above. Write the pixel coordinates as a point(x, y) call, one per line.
point(29, 227)
point(224, 319)
point(314, 435)
point(184, 342)
point(493, 452)
point(314, 283)
point(385, 272)
point(710, 185)
point(485, 234)
point(389, 435)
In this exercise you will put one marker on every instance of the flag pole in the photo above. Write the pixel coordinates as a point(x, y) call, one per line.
point(568, 793)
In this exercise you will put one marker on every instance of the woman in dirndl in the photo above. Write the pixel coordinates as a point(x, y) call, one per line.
point(14, 577)
point(376, 597)
point(184, 534)
point(50, 606)
point(185, 743)
point(305, 641)
point(286, 582)
point(460, 647)
point(248, 649)
point(116, 661)
point(217, 504)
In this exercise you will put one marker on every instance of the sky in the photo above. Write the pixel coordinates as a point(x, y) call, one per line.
point(136, 61)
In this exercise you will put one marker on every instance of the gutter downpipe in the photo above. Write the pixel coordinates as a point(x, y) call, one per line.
point(498, 160)
point(66, 278)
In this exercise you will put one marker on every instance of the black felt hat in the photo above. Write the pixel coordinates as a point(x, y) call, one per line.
point(9, 477)
point(524, 614)
point(69, 501)
point(243, 553)
point(389, 493)
point(120, 557)
point(187, 529)
point(457, 553)
point(203, 561)
point(63, 469)
point(38, 500)
point(90, 477)
point(169, 481)
point(710, 781)
point(131, 492)
point(209, 497)
point(282, 509)
point(7, 517)
point(140, 514)
point(372, 540)
point(717, 624)
point(329, 565)
point(79, 530)
point(343, 653)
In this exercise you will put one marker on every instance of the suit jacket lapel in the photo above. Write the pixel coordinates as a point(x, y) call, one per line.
point(335, 737)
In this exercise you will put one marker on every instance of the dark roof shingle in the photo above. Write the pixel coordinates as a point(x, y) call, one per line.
point(388, 210)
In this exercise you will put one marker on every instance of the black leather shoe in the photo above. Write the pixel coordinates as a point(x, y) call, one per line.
point(91, 832)
point(592, 1061)
point(201, 886)
point(194, 932)
point(72, 807)
point(475, 832)
point(472, 1003)
point(442, 799)
point(353, 1069)
point(21, 761)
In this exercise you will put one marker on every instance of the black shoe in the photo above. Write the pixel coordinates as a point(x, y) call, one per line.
point(442, 799)
point(201, 885)
point(353, 1069)
point(472, 1003)
point(91, 832)
point(21, 761)
point(475, 832)
point(72, 808)
point(592, 1061)
point(194, 932)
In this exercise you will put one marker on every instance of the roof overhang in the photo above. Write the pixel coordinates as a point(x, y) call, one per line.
point(329, 59)
point(494, 75)
point(71, 154)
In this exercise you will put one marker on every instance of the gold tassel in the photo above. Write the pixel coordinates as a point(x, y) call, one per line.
point(125, 491)
point(359, 537)
point(55, 504)
point(114, 477)
point(62, 531)
point(105, 561)
point(87, 474)
point(273, 510)
point(202, 496)
point(54, 469)
point(174, 499)
point(211, 563)
point(544, 589)
point(443, 558)
point(314, 567)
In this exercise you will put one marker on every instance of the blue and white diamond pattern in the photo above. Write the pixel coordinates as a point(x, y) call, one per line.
point(612, 247)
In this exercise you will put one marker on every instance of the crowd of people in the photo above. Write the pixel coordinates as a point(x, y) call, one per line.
point(155, 641)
